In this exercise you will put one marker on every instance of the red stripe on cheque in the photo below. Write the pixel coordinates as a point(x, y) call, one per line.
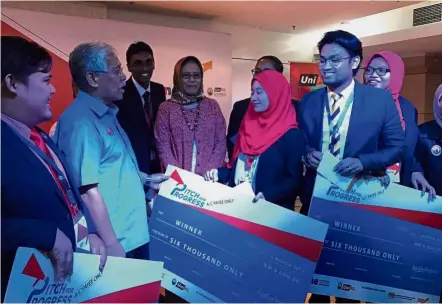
point(147, 293)
point(302, 246)
point(433, 220)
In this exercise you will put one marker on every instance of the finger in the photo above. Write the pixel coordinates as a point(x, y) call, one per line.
point(257, 197)
point(54, 267)
point(418, 185)
point(103, 258)
point(164, 177)
point(381, 180)
point(315, 163)
point(414, 184)
point(215, 176)
point(339, 166)
point(352, 171)
point(387, 181)
point(60, 266)
point(342, 170)
point(70, 263)
point(95, 250)
point(308, 162)
point(432, 193)
point(316, 157)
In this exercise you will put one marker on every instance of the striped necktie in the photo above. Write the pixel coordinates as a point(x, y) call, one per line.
point(334, 146)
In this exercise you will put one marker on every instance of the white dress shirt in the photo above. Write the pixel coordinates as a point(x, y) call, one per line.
point(343, 130)
point(141, 90)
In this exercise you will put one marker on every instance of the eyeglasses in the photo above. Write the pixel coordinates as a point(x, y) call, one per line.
point(117, 71)
point(188, 76)
point(334, 62)
point(257, 71)
point(379, 71)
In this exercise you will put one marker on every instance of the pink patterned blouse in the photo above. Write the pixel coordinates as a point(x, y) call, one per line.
point(175, 141)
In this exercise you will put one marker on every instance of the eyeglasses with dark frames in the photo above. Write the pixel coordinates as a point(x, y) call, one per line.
point(379, 71)
point(334, 61)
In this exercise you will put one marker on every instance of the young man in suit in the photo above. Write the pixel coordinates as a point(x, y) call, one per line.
point(139, 106)
point(37, 210)
point(358, 124)
point(240, 107)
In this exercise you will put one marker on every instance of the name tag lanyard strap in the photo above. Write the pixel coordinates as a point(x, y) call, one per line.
point(60, 176)
point(341, 117)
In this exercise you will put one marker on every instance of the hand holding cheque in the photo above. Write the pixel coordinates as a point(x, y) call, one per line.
point(218, 247)
point(33, 280)
point(406, 242)
point(212, 176)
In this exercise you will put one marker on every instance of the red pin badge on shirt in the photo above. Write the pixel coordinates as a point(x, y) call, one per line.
point(109, 131)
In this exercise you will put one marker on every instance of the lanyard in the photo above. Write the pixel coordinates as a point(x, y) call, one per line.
point(60, 176)
point(342, 115)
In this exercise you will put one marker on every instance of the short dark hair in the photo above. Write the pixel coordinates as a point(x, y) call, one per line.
point(347, 40)
point(136, 48)
point(22, 58)
point(277, 64)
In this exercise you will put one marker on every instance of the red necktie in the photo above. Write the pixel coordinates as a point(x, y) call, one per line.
point(40, 143)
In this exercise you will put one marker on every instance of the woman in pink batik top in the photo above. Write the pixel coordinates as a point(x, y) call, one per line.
point(190, 129)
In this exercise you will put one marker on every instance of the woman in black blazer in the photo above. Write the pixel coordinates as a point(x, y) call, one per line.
point(269, 146)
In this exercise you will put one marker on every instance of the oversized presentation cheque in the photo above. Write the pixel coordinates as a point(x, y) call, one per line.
point(383, 245)
point(217, 246)
point(122, 280)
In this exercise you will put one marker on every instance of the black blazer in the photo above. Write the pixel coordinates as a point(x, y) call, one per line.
point(428, 154)
point(411, 137)
point(279, 172)
point(32, 204)
point(133, 120)
point(236, 117)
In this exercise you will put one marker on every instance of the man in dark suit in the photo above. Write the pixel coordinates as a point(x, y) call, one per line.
point(358, 124)
point(39, 208)
point(139, 106)
point(240, 107)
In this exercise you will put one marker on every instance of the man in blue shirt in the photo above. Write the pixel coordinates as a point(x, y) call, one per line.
point(100, 152)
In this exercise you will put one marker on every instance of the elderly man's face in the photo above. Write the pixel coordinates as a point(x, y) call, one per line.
point(111, 84)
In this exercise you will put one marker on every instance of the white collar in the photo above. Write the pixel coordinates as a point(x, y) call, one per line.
point(140, 89)
point(346, 92)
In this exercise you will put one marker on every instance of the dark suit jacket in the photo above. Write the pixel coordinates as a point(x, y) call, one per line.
point(279, 172)
point(133, 120)
point(32, 204)
point(428, 158)
point(375, 135)
point(411, 137)
point(236, 117)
